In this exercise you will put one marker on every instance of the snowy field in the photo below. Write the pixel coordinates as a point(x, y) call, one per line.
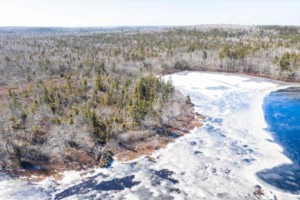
point(217, 161)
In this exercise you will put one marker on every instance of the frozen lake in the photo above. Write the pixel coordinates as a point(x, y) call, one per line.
point(218, 161)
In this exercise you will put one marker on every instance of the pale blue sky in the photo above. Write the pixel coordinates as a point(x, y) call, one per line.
point(74, 13)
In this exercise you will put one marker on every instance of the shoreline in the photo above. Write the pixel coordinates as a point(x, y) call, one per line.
point(209, 161)
point(255, 168)
point(121, 153)
point(286, 160)
point(275, 146)
point(274, 149)
point(170, 71)
point(151, 144)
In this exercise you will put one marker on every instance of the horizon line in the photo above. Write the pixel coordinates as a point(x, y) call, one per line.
point(162, 26)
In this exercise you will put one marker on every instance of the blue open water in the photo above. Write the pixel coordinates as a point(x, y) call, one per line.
point(282, 114)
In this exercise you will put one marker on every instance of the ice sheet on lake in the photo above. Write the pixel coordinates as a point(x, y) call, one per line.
point(217, 161)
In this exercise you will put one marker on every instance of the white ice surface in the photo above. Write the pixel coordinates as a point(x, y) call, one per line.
point(217, 161)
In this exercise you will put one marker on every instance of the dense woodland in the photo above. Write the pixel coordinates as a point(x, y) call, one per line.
point(66, 93)
point(265, 50)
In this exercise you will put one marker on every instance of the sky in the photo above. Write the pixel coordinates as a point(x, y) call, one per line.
point(89, 13)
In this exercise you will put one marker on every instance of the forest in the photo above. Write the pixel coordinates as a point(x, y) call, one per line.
point(67, 93)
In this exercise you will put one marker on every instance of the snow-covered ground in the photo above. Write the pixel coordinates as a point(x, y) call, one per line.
point(217, 161)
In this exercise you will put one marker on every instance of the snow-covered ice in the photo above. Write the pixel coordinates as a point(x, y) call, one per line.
point(217, 161)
